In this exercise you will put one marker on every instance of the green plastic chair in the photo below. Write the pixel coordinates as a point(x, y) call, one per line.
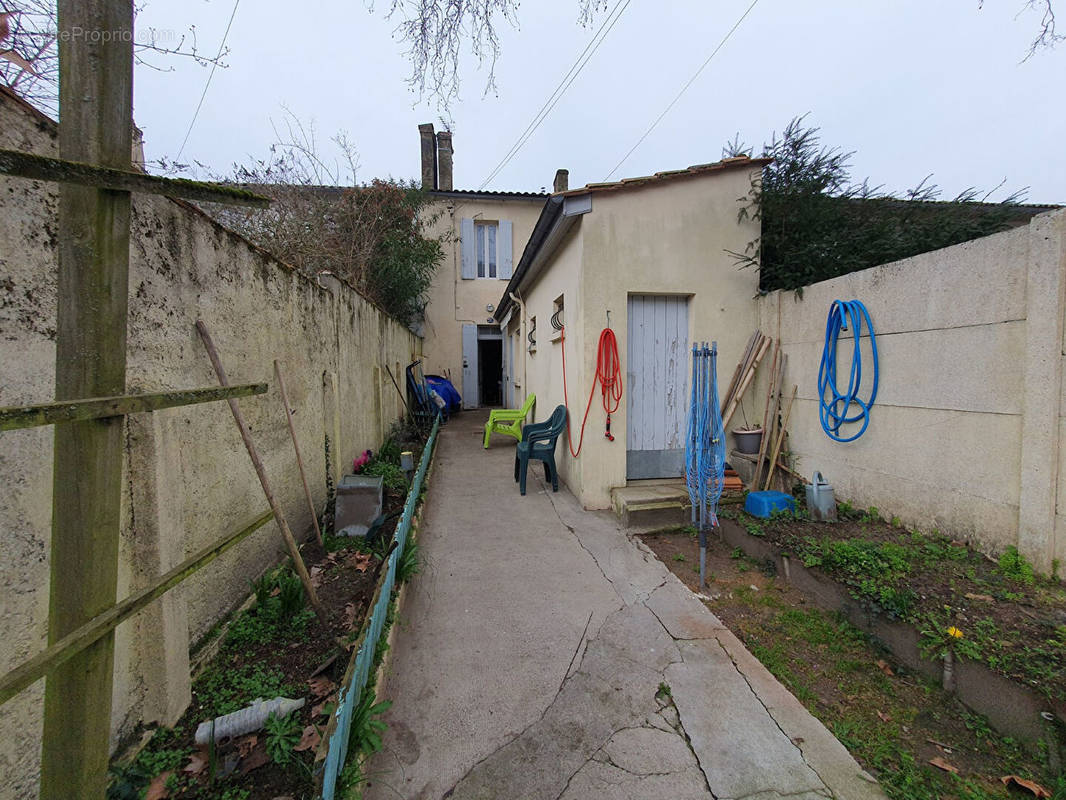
point(538, 441)
point(508, 420)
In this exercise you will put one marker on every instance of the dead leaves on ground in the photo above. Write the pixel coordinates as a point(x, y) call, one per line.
point(157, 789)
point(310, 739)
point(940, 763)
point(1036, 789)
point(359, 561)
point(327, 706)
point(321, 686)
point(884, 667)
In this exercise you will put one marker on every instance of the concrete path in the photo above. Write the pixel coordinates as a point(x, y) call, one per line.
point(534, 651)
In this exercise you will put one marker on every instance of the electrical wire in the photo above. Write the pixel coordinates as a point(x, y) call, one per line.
point(560, 89)
point(210, 75)
point(684, 89)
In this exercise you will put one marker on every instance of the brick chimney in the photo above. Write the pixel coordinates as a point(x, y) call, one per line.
point(562, 180)
point(429, 156)
point(444, 161)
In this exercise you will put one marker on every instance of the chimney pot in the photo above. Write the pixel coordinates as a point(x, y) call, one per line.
point(562, 180)
point(444, 161)
point(429, 156)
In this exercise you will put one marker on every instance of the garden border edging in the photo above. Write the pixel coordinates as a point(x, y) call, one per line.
point(1011, 708)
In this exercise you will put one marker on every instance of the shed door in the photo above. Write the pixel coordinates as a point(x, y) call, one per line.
point(656, 409)
point(470, 367)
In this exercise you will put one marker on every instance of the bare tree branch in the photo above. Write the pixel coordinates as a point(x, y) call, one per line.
point(435, 32)
point(31, 39)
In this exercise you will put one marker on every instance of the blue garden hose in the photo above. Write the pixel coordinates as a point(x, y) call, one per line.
point(836, 405)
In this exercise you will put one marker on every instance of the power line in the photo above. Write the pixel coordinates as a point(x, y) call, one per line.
point(210, 75)
point(683, 90)
point(564, 84)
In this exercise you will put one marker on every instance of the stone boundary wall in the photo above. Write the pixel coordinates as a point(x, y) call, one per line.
point(966, 430)
point(188, 477)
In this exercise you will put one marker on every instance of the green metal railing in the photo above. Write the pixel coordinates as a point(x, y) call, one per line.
point(355, 680)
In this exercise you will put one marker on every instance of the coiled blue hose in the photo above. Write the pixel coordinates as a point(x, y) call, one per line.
point(836, 405)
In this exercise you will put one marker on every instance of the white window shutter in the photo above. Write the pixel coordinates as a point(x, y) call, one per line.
point(505, 258)
point(467, 246)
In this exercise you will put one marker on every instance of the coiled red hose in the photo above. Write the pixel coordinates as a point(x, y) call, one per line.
point(608, 375)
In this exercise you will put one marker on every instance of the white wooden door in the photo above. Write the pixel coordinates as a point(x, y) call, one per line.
point(470, 371)
point(657, 386)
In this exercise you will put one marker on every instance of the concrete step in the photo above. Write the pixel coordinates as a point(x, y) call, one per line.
point(651, 504)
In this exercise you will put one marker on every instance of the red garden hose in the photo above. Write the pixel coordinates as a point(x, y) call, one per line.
point(608, 374)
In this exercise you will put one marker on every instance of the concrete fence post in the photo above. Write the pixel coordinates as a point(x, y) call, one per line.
point(1045, 298)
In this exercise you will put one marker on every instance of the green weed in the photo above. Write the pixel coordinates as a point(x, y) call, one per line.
point(222, 691)
point(408, 565)
point(680, 557)
point(1013, 565)
point(282, 735)
point(366, 729)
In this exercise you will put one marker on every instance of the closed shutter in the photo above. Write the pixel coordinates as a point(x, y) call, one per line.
point(470, 370)
point(505, 259)
point(467, 248)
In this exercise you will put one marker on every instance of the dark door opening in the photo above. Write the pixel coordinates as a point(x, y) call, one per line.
point(490, 371)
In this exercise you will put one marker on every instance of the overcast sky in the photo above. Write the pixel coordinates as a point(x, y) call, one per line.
point(913, 87)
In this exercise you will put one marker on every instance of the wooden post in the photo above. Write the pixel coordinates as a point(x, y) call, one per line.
point(260, 470)
point(780, 439)
point(96, 100)
point(296, 447)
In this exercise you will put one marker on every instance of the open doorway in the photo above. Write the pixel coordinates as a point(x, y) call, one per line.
point(490, 369)
point(482, 366)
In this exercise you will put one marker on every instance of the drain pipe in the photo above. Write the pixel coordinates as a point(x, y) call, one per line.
point(522, 340)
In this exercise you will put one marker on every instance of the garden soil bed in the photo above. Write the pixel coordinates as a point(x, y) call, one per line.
point(275, 648)
point(899, 724)
point(1000, 614)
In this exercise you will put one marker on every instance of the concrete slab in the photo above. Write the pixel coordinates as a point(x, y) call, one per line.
point(532, 652)
point(682, 613)
point(740, 747)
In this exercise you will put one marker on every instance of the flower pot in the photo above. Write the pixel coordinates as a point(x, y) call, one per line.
point(748, 441)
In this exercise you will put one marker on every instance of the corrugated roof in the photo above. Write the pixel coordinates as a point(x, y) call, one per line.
point(667, 175)
point(478, 193)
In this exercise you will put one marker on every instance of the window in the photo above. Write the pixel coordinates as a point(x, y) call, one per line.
point(486, 249)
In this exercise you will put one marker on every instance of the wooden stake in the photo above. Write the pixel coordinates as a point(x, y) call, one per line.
point(394, 383)
point(780, 437)
point(744, 384)
point(753, 343)
point(296, 447)
point(96, 95)
point(260, 470)
point(764, 441)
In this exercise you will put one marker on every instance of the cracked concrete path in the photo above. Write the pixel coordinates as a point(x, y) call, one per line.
point(531, 653)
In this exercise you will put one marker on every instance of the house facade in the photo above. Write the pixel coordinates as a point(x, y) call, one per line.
point(483, 232)
point(649, 259)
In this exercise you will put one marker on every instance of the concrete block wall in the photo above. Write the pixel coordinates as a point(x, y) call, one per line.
point(965, 434)
point(189, 479)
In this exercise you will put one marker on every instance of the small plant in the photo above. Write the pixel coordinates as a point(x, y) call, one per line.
point(664, 690)
point(392, 476)
point(366, 730)
point(680, 557)
point(755, 529)
point(282, 735)
point(222, 691)
point(291, 598)
point(1013, 565)
point(409, 564)
point(737, 554)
